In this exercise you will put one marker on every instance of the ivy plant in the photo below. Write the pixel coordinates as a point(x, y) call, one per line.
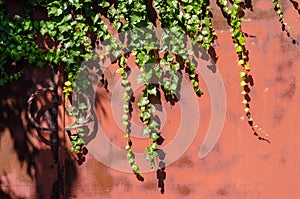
point(76, 26)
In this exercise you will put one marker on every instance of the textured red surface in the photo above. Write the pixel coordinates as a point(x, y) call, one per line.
point(240, 166)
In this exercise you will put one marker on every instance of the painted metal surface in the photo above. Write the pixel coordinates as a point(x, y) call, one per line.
point(239, 166)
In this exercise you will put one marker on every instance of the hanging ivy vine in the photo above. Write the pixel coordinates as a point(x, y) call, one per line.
point(76, 26)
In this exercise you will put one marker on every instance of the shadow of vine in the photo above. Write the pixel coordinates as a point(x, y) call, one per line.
point(296, 5)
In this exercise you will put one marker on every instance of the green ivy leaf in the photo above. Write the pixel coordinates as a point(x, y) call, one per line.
point(242, 74)
point(152, 91)
point(129, 155)
point(125, 123)
point(239, 49)
point(241, 40)
point(134, 168)
point(148, 149)
point(241, 62)
point(143, 101)
point(77, 148)
point(81, 120)
point(81, 132)
point(176, 66)
point(154, 146)
point(96, 18)
point(247, 67)
point(120, 70)
point(122, 61)
point(205, 31)
point(154, 136)
point(170, 57)
point(73, 143)
point(80, 141)
point(82, 106)
point(126, 107)
point(145, 116)
point(104, 4)
point(243, 83)
point(153, 124)
point(146, 131)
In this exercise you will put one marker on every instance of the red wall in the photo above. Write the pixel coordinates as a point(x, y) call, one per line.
point(239, 166)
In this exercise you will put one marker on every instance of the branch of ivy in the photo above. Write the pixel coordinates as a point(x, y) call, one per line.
point(123, 70)
point(235, 21)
